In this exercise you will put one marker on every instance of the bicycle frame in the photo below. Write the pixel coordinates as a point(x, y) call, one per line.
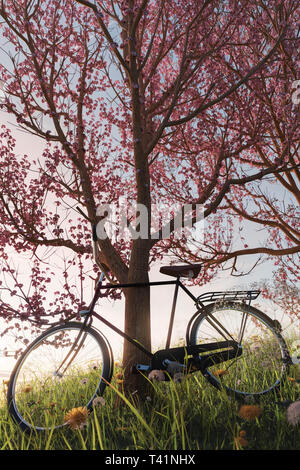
point(178, 284)
point(90, 311)
point(175, 352)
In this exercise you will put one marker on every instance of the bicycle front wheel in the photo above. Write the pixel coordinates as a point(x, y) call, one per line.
point(65, 368)
point(262, 359)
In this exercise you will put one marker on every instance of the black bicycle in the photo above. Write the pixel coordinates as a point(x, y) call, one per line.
point(233, 344)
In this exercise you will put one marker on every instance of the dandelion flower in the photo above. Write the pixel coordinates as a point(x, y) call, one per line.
point(240, 442)
point(98, 400)
point(119, 376)
point(293, 413)
point(220, 372)
point(256, 338)
point(156, 375)
point(178, 377)
point(76, 418)
point(255, 347)
point(250, 412)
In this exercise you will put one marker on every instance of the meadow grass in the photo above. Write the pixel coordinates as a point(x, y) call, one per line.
point(189, 415)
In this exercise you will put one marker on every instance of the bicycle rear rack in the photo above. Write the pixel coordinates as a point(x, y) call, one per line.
point(228, 295)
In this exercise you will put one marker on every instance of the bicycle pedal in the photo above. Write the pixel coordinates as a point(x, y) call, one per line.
point(173, 367)
point(140, 368)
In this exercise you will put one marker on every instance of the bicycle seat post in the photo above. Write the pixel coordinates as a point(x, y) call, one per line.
point(172, 313)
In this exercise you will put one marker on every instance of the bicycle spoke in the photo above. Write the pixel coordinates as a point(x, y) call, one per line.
point(242, 329)
point(216, 322)
point(260, 364)
point(49, 380)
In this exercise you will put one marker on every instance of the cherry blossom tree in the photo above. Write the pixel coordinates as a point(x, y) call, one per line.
point(155, 101)
point(285, 295)
point(273, 118)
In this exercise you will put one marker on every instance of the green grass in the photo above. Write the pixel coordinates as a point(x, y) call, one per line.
point(191, 415)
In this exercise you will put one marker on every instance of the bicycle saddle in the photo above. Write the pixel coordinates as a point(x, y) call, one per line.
point(187, 270)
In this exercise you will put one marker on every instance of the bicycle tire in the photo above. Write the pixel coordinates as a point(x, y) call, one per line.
point(243, 376)
point(32, 413)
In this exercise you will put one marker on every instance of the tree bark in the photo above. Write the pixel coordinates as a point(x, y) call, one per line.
point(137, 318)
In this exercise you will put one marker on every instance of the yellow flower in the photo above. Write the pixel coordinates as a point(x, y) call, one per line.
point(76, 418)
point(119, 375)
point(240, 442)
point(27, 388)
point(250, 412)
point(220, 372)
point(291, 379)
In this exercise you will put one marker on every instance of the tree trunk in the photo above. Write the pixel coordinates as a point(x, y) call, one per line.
point(137, 319)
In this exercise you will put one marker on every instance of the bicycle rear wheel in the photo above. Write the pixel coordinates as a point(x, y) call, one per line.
point(262, 359)
point(65, 368)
